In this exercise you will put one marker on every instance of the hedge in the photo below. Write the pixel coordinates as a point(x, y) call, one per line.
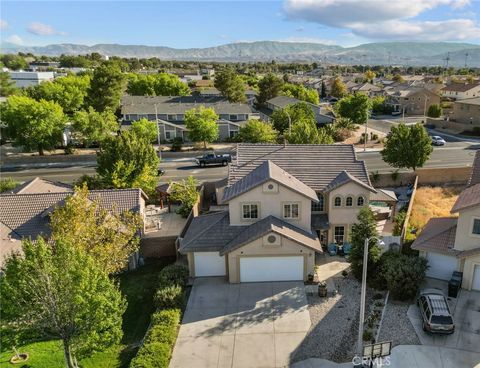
point(173, 274)
point(169, 296)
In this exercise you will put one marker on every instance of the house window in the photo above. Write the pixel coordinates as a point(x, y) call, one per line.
point(233, 133)
point(232, 117)
point(337, 202)
point(318, 206)
point(349, 202)
point(360, 201)
point(339, 234)
point(170, 134)
point(249, 211)
point(476, 227)
point(291, 211)
point(172, 117)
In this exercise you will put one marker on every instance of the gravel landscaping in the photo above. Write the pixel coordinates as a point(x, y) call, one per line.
point(334, 330)
point(396, 326)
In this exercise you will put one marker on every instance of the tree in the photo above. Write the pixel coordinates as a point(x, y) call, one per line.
point(407, 146)
point(269, 86)
point(33, 124)
point(108, 235)
point(378, 104)
point(281, 119)
point(145, 128)
point(186, 193)
point(58, 291)
point(354, 107)
point(256, 131)
point(434, 111)
point(69, 92)
point(94, 127)
point(398, 78)
point(230, 85)
point(366, 227)
point(14, 62)
point(128, 161)
point(338, 89)
point(202, 125)
point(106, 87)
point(301, 93)
point(161, 84)
point(75, 61)
point(323, 90)
point(305, 131)
point(369, 76)
point(7, 86)
point(7, 184)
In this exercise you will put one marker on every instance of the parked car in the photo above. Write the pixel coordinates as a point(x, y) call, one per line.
point(438, 141)
point(212, 158)
point(435, 312)
point(396, 113)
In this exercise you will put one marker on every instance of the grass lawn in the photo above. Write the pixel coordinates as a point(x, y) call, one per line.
point(138, 288)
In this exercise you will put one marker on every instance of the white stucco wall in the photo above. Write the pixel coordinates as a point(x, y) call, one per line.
point(464, 238)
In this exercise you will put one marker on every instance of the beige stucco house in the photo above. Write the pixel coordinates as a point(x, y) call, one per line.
point(411, 100)
point(281, 203)
point(461, 91)
point(453, 244)
point(467, 112)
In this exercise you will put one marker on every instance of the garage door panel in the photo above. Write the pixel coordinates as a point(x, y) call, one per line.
point(209, 264)
point(441, 266)
point(476, 278)
point(258, 269)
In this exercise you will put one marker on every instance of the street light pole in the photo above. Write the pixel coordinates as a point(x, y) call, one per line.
point(362, 299)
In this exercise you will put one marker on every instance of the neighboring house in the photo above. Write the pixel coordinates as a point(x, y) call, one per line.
point(466, 111)
point(367, 88)
point(26, 79)
point(322, 116)
point(412, 100)
point(170, 113)
point(458, 91)
point(281, 203)
point(24, 212)
point(453, 244)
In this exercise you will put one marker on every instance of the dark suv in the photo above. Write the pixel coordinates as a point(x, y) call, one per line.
point(436, 316)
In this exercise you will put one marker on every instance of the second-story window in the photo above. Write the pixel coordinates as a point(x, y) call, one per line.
point(476, 227)
point(349, 202)
point(291, 211)
point(360, 201)
point(337, 202)
point(249, 211)
point(318, 206)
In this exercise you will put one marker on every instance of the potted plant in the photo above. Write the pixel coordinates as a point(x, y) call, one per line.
point(310, 277)
point(322, 289)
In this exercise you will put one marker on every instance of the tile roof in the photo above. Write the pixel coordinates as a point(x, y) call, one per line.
point(314, 165)
point(460, 87)
point(39, 185)
point(343, 178)
point(438, 235)
point(366, 87)
point(469, 101)
point(470, 197)
point(475, 175)
point(264, 172)
point(284, 101)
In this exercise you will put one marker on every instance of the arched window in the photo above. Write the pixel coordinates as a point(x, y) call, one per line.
point(360, 201)
point(349, 201)
point(337, 202)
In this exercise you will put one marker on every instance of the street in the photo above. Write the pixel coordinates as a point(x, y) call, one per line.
point(454, 154)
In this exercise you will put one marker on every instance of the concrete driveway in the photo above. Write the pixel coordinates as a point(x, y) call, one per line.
point(466, 315)
point(241, 325)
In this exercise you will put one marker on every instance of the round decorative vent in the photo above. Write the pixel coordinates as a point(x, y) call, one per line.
point(272, 239)
point(270, 186)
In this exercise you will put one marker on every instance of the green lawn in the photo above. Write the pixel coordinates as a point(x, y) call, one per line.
point(138, 288)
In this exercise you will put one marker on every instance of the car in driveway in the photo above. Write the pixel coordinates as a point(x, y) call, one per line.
point(438, 141)
point(435, 312)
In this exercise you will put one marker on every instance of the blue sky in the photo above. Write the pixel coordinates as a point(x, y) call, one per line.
point(185, 24)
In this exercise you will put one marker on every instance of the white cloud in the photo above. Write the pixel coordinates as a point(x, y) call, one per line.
point(3, 24)
point(41, 29)
point(385, 19)
point(16, 39)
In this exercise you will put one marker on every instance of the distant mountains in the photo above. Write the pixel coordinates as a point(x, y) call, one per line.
point(386, 53)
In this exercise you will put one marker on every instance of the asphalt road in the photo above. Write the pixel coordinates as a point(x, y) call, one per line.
point(455, 154)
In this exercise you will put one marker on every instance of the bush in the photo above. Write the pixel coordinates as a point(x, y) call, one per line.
point(169, 296)
point(174, 274)
point(367, 336)
point(8, 184)
point(177, 144)
point(434, 111)
point(399, 221)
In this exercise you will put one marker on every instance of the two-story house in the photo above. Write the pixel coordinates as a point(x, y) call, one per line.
point(169, 112)
point(466, 111)
point(461, 91)
point(411, 100)
point(282, 202)
point(453, 244)
point(369, 89)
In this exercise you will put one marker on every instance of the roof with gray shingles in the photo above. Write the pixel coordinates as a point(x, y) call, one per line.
point(438, 235)
point(320, 221)
point(264, 172)
point(315, 165)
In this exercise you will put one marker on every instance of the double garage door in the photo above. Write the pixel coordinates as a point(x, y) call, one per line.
point(441, 266)
point(256, 269)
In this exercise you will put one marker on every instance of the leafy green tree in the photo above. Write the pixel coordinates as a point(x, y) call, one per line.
point(69, 92)
point(256, 131)
point(434, 111)
point(128, 161)
point(202, 125)
point(161, 84)
point(269, 87)
point(369, 76)
point(58, 291)
point(186, 193)
point(305, 131)
point(338, 89)
point(398, 78)
point(378, 104)
point(7, 86)
point(145, 128)
point(33, 124)
point(109, 236)
point(230, 85)
point(106, 87)
point(75, 61)
point(14, 62)
point(407, 146)
point(323, 90)
point(292, 113)
point(302, 93)
point(366, 227)
point(94, 127)
point(354, 107)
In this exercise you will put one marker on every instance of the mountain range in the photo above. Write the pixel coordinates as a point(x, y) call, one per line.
point(384, 53)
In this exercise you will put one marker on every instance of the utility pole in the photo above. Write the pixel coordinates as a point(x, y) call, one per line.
point(466, 56)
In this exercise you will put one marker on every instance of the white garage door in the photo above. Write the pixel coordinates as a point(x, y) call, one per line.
point(476, 278)
point(441, 267)
point(209, 264)
point(253, 269)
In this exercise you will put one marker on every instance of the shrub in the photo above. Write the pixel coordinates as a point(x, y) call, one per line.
point(7, 184)
point(177, 144)
point(399, 221)
point(374, 176)
point(169, 296)
point(174, 274)
point(434, 111)
point(367, 336)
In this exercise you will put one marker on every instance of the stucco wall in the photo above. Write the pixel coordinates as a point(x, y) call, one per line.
point(464, 238)
point(271, 204)
point(256, 248)
point(468, 270)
